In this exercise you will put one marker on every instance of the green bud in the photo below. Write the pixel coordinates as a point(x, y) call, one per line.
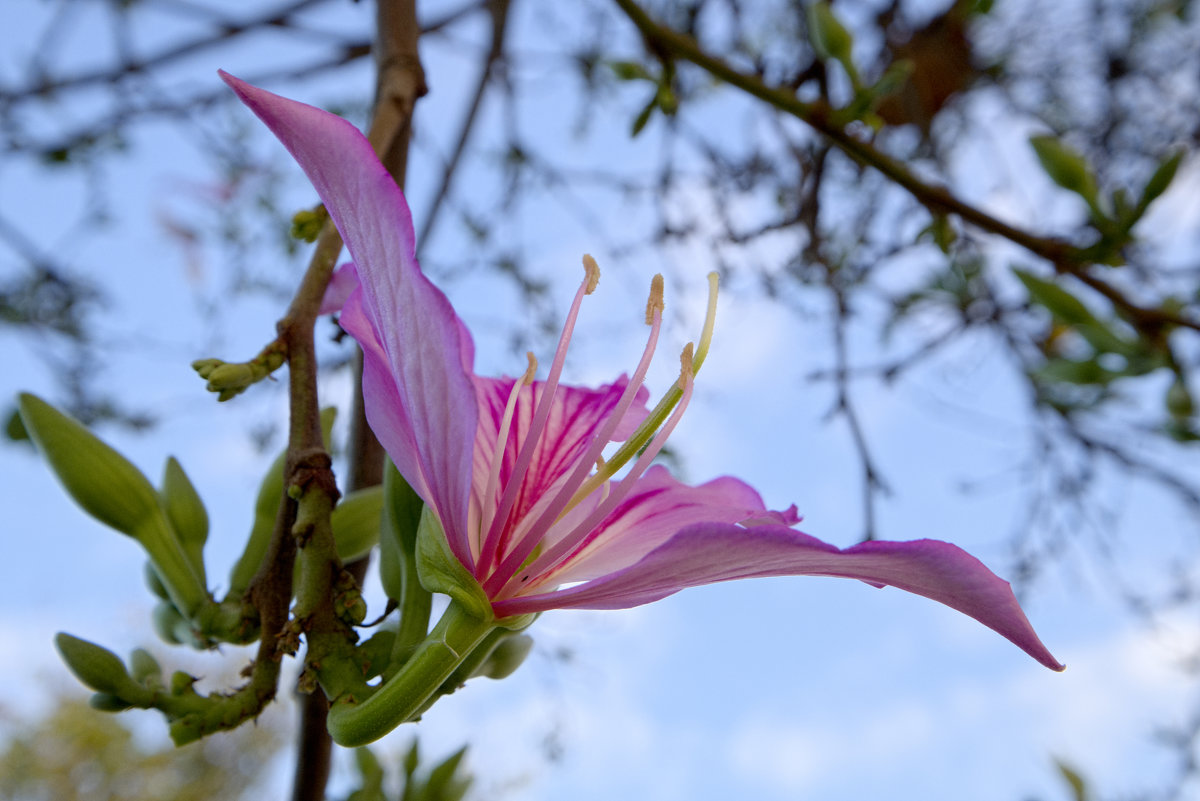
point(356, 521)
point(1065, 166)
point(154, 582)
point(506, 657)
point(102, 481)
point(106, 702)
point(186, 512)
point(205, 367)
point(144, 667)
point(440, 571)
point(99, 668)
point(181, 682)
point(236, 375)
point(307, 223)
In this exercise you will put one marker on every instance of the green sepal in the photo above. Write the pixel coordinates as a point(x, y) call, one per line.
point(100, 669)
point(356, 521)
point(398, 541)
point(830, 38)
point(440, 570)
point(186, 512)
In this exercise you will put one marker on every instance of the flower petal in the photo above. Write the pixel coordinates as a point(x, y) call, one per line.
point(711, 552)
point(658, 507)
point(421, 335)
point(575, 417)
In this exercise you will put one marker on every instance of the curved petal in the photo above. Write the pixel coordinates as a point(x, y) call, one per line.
point(420, 333)
point(343, 281)
point(711, 552)
point(657, 507)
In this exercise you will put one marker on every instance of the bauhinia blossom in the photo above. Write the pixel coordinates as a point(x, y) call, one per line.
point(520, 474)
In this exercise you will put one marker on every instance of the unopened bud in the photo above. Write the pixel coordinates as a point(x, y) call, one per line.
point(506, 657)
point(186, 512)
point(103, 482)
point(99, 668)
point(355, 521)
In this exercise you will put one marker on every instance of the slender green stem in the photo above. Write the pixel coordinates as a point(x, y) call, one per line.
point(355, 722)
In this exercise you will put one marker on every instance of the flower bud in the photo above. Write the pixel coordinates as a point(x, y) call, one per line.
point(185, 511)
point(356, 520)
point(106, 702)
point(99, 669)
point(103, 482)
point(144, 667)
point(506, 657)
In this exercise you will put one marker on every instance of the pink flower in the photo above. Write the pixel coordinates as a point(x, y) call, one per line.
point(513, 469)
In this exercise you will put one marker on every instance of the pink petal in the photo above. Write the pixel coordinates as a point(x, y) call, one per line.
point(421, 336)
point(343, 281)
point(576, 415)
point(658, 507)
point(709, 552)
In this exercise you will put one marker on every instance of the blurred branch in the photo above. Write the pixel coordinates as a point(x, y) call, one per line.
point(498, 10)
point(1065, 257)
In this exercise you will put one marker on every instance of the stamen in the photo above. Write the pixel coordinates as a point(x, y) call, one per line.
point(662, 411)
point(655, 301)
point(593, 273)
point(491, 538)
point(586, 531)
point(575, 488)
point(686, 371)
point(489, 492)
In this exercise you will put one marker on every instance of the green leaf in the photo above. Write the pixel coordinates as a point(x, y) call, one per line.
point(1076, 782)
point(1160, 180)
point(1061, 303)
point(643, 116)
point(1066, 167)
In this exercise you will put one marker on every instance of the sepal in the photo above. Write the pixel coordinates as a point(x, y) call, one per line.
point(440, 571)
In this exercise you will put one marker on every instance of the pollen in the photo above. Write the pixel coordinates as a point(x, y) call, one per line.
point(593, 273)
point(655, 301)
point(531, 370)
point(686, 371)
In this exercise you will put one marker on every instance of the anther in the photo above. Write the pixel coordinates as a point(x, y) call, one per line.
point(686, 371)
point(593, 273)
point(655, 301)
point(530, 371)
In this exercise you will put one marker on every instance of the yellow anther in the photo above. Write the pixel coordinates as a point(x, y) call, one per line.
point(593, 273)
point(531, 370)
point(686, 371)
point(655, 301)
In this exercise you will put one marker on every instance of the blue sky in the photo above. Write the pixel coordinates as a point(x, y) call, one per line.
point(782, 688)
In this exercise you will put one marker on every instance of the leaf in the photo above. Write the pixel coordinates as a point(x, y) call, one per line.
point(1160, 180)
point(1079, 789)
point(1061, 303)
point(1066, 167)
